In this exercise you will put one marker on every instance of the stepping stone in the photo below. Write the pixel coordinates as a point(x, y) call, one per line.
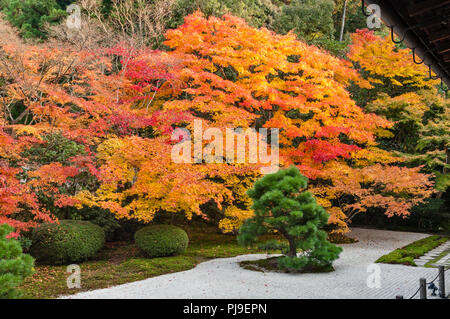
point(434, 254)
point(445, 259)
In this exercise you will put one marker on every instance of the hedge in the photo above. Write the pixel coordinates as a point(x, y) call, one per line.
point(67, 242)
point(161, 240)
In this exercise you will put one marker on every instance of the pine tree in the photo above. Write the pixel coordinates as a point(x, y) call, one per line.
point(281, 203)
point(14, 265)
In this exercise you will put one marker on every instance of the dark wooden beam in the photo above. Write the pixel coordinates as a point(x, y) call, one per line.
point(406, 15)
point(425, 6)
point(433, 22)
point(443, 48)
point(446, 59)
point(440, 35)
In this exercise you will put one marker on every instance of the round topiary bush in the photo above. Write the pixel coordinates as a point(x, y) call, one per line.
point(66, 242)
point(161, 240)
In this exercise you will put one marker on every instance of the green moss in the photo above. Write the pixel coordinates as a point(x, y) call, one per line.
point(407, 254)
point(272, 265)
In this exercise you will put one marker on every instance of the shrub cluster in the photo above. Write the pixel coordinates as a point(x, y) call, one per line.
point(66, 242)
point(161, 240)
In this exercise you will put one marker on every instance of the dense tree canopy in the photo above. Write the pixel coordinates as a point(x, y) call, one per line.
point(278, 81)
point(93, 127)
point(403, 93)
point(31, 16)
point(309, 19)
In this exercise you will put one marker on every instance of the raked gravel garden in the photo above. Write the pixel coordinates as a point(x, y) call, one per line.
point(354, 276)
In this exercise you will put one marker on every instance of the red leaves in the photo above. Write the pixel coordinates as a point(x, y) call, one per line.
point(331, 131)
point(323, 151)
point(123, 105)
point(52, 174)
point(85, 163)
point(18, 197)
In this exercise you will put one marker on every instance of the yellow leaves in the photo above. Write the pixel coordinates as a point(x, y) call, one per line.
point(377, 81)
point(405, 107)
point(381, 132)
point(227, 225)
point(325, 203)
point(234, 217)
point(34, 131)
point(85, 198)
point(372, 155)
point(381, 58)
point(338, 219)
point(109, 148)
point(395, 82)
point(139, 180)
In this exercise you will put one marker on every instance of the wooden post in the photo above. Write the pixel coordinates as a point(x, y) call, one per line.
point(441, 282)
point(423, 288)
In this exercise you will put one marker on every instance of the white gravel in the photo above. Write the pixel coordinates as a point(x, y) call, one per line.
point(224, 278)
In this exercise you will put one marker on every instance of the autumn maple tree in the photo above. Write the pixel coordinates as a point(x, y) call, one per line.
point(111, 113)
point(278, 81)
point(404, 93)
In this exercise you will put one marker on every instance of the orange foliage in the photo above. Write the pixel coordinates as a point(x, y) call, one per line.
point(220, 71)
point(385, 62)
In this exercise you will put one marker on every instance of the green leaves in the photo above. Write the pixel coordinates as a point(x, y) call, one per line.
point(281, 203)
point(14, 265)
point(30, 16)
point(56, 148)
point(310, 19)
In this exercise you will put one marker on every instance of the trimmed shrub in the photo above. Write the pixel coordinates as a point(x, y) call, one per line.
point(161, 240)
point(66, 242)
point(98, 216)
point(14, 265)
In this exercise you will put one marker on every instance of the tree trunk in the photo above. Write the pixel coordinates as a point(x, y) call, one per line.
point(341, 36)
point(292, 245)
point(292, 248)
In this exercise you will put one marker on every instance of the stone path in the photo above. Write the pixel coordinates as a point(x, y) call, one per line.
point(434, 254)
point(355, 276)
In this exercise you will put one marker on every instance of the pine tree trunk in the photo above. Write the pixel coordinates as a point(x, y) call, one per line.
point(292, 248)
point(292, 244)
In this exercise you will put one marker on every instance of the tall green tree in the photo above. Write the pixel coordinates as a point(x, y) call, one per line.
point(309, 19)
point(31, 16)
point(257, 13)
point(353, 20)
